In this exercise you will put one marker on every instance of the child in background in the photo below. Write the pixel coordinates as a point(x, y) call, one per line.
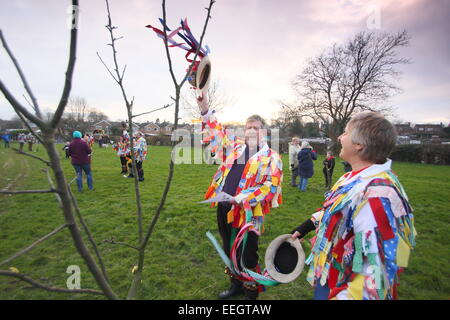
point(328, 167)
point(66, 149)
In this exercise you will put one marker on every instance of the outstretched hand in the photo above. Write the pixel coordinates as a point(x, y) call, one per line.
point(296, 235)
point(202, 102)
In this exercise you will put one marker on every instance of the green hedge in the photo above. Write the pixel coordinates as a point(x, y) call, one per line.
point(422, 153)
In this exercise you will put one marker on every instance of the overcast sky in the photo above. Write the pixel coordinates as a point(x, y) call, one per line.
point(257, 48)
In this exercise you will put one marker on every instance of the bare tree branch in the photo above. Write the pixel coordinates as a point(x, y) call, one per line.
point(39, 285)
point(107, 68)
point(141, 114)
point(69, 72)
point(52, 186)
point(22, 77)
point(143, 244)
point(17, 106)
point(27, 125)
point(88, 233)
point(32, 156)
point(27, 191)
point(111, 241)
point(216, 98)
point(129, 106)
point(344, 79)
point(48, 137)
point(23, 251)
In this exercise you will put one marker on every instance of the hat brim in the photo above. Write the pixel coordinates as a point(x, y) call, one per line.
point(203, 75)
point(270, 259)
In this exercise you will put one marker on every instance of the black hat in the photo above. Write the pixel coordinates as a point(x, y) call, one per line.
point(284, 258)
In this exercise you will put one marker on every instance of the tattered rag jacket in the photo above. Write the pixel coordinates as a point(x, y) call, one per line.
point(365, 232)
point(140, 149)
point(259, 188)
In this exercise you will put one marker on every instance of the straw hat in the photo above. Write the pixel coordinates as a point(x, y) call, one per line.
point(285, 258)
point(201, 77)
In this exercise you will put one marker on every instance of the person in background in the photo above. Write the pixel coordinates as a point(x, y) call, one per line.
point(66, 149)
point(305, 164)
point(294, 149)
point(80, 153)
point(328, 167)
point(6, 139)
point(140, 154)
point(21, 140)
point(89, 140)
point(31, 140)
point(122, 147)
point(365, 229)
point(100, 141)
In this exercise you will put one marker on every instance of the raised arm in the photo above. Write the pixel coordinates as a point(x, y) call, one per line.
point(217, 136)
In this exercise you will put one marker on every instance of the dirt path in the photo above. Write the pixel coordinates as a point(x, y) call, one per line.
point(18, 180)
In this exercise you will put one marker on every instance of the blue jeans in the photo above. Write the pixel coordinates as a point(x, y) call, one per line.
point(79, 168)
point(303, 183)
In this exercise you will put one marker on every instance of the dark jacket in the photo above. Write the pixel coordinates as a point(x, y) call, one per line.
point(328, 164)
point(79, 150)
point(305, 162)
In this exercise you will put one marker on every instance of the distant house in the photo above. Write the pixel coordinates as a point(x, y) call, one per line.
point(167, 129)
point(428, 131)
point(404, 129)
point(101, 125)
point(150, 129)
point(136, 127)
point(186, 126)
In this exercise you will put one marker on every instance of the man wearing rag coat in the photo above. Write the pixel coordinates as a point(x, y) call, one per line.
point(252, 173)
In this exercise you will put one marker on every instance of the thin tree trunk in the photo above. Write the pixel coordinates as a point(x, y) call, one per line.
point(70, 218)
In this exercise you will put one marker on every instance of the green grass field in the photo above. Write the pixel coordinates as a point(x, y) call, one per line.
point(181, 263)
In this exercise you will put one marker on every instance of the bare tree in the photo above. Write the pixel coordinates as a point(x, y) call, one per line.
point(217, 100)
point(96, 116)
point(344, 79)
point(77, 109)
point(117, 73)
point(75, 116)
point(60, 188)
point(73, 218)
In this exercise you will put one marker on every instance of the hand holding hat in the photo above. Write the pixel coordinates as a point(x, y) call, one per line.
point(202, 102)
point(303, 229)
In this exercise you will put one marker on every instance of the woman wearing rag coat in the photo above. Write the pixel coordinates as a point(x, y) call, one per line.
point(365, 229)
point(294, 149)
point(305, 164)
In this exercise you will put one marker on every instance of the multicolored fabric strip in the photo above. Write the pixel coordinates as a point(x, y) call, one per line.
point(259, 188)
point(338, 255)
point(140, 149)
point(190, 43)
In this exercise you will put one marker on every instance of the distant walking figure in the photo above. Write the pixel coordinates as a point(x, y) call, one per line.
point(80, 152)
point(21, 140)
point(305, 164)
point(294, 149)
